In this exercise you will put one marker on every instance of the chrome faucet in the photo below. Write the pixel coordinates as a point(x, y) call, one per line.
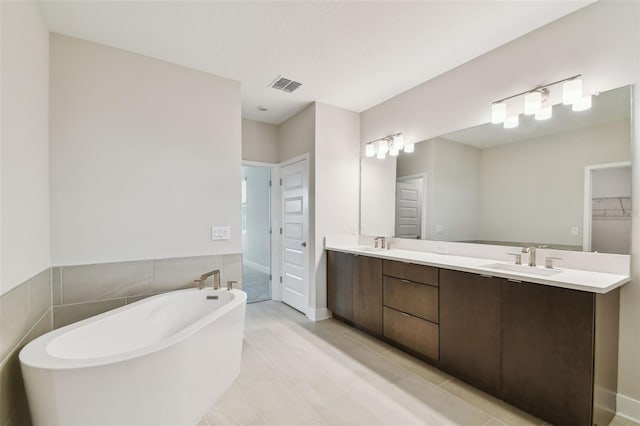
point(203, 279)
point(378, 239)
point(532, 255)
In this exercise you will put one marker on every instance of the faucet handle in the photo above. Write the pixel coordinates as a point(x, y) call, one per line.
point(518, 257)
point(548, 261)
point(230, 284)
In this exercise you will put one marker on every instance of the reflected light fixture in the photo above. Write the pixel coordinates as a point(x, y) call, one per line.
point(582, 104)
point(512, 122)
point(391, 145)
point(536, 97)
point(544, 113)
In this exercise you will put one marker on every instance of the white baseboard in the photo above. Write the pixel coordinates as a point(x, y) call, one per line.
point(628, 408)
point(318, 314)
point(257, 266)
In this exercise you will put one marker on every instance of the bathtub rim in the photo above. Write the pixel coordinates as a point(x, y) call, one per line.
point(35, 354)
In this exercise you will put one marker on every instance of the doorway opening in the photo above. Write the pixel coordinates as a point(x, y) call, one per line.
point(256, 232)
point(607, 207)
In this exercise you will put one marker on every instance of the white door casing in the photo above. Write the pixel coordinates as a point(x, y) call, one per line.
point(295, 234)
point(409, 207)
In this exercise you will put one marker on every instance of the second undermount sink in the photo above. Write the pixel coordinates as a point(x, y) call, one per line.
point(367, 248)
point(524, 269)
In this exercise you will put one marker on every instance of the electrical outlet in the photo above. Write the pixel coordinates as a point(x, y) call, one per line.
point(354, 229)
point(574, 231)
point(439, 229)
point(220, 233)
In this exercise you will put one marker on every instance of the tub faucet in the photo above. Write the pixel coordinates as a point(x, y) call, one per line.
point(216, 279)
point(532, 255)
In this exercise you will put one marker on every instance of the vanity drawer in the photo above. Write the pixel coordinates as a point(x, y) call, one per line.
point(412, 332)
point(420, 300)
point(410, 271)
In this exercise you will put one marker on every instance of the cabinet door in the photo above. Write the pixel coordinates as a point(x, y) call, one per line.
point(341, 273)
point(470, 325)
point(367, 294)
point(547, 351)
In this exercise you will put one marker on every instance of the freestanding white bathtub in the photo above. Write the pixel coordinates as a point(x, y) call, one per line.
point(164, 360)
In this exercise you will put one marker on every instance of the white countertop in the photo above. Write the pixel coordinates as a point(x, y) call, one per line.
point(595, 282)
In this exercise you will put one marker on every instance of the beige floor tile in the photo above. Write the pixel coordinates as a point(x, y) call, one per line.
point(376, 364)
point(335, 404)
point(416, 366)
point(437, 406)
point(235, 408)
point(279, 404)
point(366, 340)
point(254, 367)
point(495, 422)
point(495, 407)
point(619, 421)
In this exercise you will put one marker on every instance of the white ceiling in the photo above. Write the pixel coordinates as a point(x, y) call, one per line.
point(351, 54)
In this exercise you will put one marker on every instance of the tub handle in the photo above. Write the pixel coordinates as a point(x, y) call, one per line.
point(230, 284)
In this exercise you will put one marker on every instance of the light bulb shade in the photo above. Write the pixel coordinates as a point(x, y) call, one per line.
point(532, 102)
point(571, 91)
point(370, 150)
point(381, 155)
point(398, 142)
point(544, 113)
point(582, 104)
point(408, 148)
point(383, 147)
point(498, 112)
point(512, 122)
point(393, 152)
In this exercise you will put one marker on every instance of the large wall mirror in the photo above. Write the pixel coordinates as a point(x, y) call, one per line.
point(564, 183)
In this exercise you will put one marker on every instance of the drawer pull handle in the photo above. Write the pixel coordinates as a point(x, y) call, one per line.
point(513, 281)
point(486, 276)
point(406, 281)
point(405, 314)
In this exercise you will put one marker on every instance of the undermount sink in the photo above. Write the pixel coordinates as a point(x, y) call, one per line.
point(523, 269)
point(367, 248)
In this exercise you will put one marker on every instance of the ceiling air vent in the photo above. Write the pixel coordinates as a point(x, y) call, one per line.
point(285, 84)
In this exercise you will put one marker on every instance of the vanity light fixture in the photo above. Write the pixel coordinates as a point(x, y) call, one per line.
point(391, 145)
point(534, 98)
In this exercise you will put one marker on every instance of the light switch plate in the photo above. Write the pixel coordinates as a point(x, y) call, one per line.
point(439, 229)
point(220, 233)
point(354, 229)
point(442, 248)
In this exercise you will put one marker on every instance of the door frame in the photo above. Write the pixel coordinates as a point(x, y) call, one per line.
point(588, 204)
point(273, 211)
point(423, 207)
point(276, 287)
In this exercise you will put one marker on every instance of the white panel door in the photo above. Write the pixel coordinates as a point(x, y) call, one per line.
point(295, 232)
point(408, 208)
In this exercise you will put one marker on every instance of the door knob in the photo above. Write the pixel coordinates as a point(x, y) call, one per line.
point(303, 244)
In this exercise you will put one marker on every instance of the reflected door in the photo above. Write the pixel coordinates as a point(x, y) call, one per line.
point(295, 229)
point(409, 207)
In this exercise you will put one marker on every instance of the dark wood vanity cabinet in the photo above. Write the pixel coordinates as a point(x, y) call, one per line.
point(367, 294)
point(470, 328)
point(354, 289)
point(411, 308)
point(559, 352)
point(341, 273)
point(548, 350)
